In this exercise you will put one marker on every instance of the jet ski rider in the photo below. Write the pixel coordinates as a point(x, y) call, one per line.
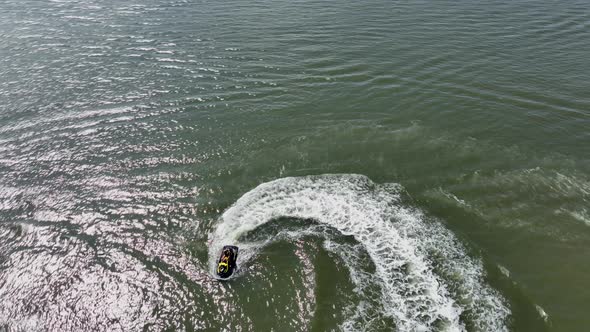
point(223, 265)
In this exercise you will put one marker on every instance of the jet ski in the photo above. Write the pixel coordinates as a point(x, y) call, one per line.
point(227, 261)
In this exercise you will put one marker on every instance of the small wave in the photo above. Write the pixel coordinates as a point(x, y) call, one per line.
point(542, 313)
point(580, 215)
point(170, 60)
point(426, 278)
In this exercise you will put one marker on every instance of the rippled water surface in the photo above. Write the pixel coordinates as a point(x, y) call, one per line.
point(383, 165)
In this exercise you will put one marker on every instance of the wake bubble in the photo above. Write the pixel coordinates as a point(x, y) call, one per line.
point(427, 280)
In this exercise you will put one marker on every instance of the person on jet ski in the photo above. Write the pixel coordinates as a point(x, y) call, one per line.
point(227, 261)
point(223, 266)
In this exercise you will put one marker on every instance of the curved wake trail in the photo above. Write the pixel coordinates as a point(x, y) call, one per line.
point(428, 281)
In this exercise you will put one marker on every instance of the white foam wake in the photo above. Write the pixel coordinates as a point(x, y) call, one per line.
point(428, 281)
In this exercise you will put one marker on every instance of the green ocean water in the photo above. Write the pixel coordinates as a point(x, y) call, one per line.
point(383, 165)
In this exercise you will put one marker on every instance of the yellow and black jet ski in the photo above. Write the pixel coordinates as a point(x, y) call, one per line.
point(227, 261)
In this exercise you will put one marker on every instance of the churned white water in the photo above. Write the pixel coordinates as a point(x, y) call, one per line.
point(427, 279)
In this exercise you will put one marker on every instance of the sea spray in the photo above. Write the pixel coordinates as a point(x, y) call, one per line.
point(427, 279)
